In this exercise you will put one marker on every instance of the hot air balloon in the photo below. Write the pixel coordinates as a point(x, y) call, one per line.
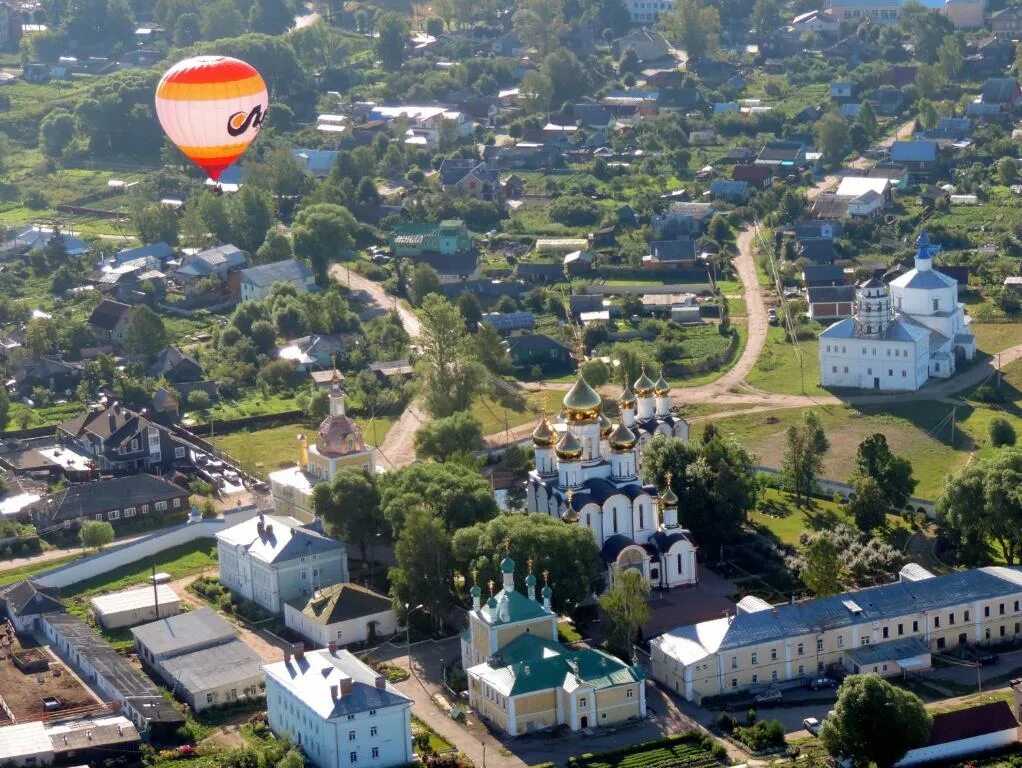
point(212, 107)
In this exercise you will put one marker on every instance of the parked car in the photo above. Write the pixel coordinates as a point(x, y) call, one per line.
point(819, 683)
point(769, 696)
point(812, 725)
point(985, 658)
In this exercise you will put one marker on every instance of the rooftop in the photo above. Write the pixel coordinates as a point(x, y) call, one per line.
point(342, 602)
point(221, 665)
point(177, 634)
point(266, 275)
point(24, 740)
point(281, 538)
point(133, 599)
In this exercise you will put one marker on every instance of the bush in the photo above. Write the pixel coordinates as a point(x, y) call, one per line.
point(198, 400)
point(726, 723)
point(764, 735)
point(1001, 432)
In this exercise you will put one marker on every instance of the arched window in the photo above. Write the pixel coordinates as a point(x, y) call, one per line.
point(642, 517)
point(613, 513)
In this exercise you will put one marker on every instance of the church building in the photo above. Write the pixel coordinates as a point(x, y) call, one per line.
point(521, 679)
point(900, 335)
point(339, 444)
point(587, 473)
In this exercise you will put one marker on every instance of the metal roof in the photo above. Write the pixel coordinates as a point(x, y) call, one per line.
point(221, 665)
point(283, 538)
point(133, 599)
point(179, 634)
point(24, 740)
point(268, 274)
point(925, 280)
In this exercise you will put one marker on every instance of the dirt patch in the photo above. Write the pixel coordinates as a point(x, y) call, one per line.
point(24, 693)
point(227, 737)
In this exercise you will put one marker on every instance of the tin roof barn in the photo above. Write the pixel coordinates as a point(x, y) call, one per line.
point(136, 606)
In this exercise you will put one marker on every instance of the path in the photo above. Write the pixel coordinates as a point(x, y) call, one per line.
point(57, 554)
point(831, 180)
point(383, 300)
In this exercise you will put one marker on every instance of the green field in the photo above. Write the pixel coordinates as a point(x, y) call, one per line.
point(11, 575)
point(778, 515)
point(263, 450)
point(690, 750)
point(178, 562)
point(778, 369)
point(497, 414)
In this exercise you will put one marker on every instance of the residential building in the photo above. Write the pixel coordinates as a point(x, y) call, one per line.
point(131, 607)
point(270, 559)
point(831, 302)
point(118, 438)
point(1007, 22)
point(175, 366)
point(782, 155)
point(887, 630)
point(681, 219)
point(899, 335)
point(670, 254)
point(319, 350)
point(339, 444)
point(814, 275)
point(817, 22)
point(757, 176)
point(109, 675)
point(856, 186)
point(587, 473)
point(508, 322)
point(530, 350)
point(342, 614)
point(257, 282)
point(965, 733)
point(338, 711)
point(36, 237)
point(153, 255)
point(818, 251)
point(201, 659)
point(318, 162)
point(921, 158)
point(467, 177)
point(1003, 93)
point(648, 11)
point(452, 268)
point(447, 237)
point(65, 742)
point(963, 14)
point(25, 601)
point(218, 262)
point(109, 320)
point(116, 500)
point(731, 191)
point(522, 680)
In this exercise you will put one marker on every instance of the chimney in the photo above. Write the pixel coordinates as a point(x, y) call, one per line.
point(332, 646)
point(287, 655)
point(347, 685)
point(299, 649)
point(269, 529)
point(381, 682)
point(334, 693)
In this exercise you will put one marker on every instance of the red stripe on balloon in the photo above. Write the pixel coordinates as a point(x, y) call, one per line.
point(216, 72)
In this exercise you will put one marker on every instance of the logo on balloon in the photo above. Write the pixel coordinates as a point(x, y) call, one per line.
point(240, 122)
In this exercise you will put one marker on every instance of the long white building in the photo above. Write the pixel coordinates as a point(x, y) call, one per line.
point(900, 335)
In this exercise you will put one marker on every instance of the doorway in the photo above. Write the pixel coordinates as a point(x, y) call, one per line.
point(876, 382)
point(583, 722)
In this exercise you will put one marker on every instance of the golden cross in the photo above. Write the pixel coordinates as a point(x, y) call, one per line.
point(507, 545)
point(546, 578)
point(670, 477)
point(530, 565)
point(571, 495)
point(475, 575)
point(490, 583)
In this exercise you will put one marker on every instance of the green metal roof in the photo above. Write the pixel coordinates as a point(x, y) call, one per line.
point(519, 608)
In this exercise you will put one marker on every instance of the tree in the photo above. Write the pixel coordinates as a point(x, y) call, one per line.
point(821, 569)
point(1007, 171)
point(391, 41)
point(539, 24)
point(536, 91)
point(441, 439)
point(56, 132)
point(469, 307)
point(694, 27)
point(567, 76)
point(951, 57)
point(927, 84)
point(322, 233)
point(893, 474)
point(869, 507)
point(805, 446)
point(714, 480)
point(450, 375)
point(832, 136)
point(198, 400)
point(423, 575)
point(567, 554)
point(41, 336)
point(249, 215)
point(145, 334)
point(271, 17)
point(1002, 433)
point(627, 610)
point(221, 19)
point(96, 534)
point(766, 17)
point(350, 507)
point(424, 281)
point(867, 118)
point(157, 223)
point(276, 247)
point(458, 494)
point(874, 722)
point(984, 500)
point(187, 29)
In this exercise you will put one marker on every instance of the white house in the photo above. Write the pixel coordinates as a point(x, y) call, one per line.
point(136, 606)
point(342, 614)
point(966, 733)
point(339, 711)
point(257, 282)
point(899, 335)
point(648, 11)
point(271, 558)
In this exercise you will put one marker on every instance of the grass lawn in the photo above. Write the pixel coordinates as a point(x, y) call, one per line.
point(11, 575)
point(496, 414)
point(776, 514)
point(995, 337)
point(264, 450)
point(689, 750)
point(178, 562)
point(436, 742)
point(253, 404)
point(699, 379)
point(777, 369)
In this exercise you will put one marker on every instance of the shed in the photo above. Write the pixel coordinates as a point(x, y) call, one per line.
point(964, 733)
point(25, 744)
point(342, 614)
point(131, 607)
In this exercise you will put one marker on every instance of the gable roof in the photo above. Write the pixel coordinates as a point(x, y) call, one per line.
point(914, 151)
point(831, 293)
point(342, 602)
point(26, 598)
point(183, 632)
point(1000, 90)
point(281, 538)
point(266, 275)
point(108, 314)
point(463, 263)
point(672, 250)
point(969, 723)
point(170, 359)
point(219, 258)
point(318, 162)
point(812, 273)
point(87, 499)
point(160, 251)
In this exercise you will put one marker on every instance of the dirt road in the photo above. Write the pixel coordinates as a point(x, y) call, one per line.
point(830, 181)
point(382, 299)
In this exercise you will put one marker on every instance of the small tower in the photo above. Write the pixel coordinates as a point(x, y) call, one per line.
point(626, 402)
point(507, 568)
point(622, 453)
point(476, 592)
point(547, 592)
point(530, 583)
point(924, 258)
point(303, 452)
point(492, 602)
point(663, 396)
point(872, 309)
point(336, 396)
point(644, 387)
point(669, 505)
point(570, 514)
point(569, 461)
point(544, 437)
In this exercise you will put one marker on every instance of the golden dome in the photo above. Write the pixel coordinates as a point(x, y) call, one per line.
point(644, 385)
point(582, 402)
point(544, 436)
point(622, 439)
point(570, 514)
point(662, 387)
point(606, 425)
point(627, 399)
point(668, 498)
point(339, 436)
point(569, 448)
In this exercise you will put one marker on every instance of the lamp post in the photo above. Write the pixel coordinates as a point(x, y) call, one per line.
point(408, 635)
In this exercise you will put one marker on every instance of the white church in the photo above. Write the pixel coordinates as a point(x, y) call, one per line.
point(587, 473)
point(900, 334)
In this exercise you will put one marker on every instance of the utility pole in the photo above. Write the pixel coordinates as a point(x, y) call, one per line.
point(954, 411)
point(156, 592)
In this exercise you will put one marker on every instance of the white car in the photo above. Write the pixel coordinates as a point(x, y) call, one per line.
point(769, 696)
point(812, 725)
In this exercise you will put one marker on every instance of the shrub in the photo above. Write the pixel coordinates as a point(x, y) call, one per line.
point(726, 723)
point(1001, 432)
point(765, 734)
point(198, 400)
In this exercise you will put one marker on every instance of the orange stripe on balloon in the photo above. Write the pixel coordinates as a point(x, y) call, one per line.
point(174, 91)
point(221, 151)
point(213, 72)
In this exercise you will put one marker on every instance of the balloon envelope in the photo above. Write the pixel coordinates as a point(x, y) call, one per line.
point(212, 107)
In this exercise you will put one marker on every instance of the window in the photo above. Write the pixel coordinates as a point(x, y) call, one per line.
point(351, 717)
point(819, 644)
point(734, 662)
point(376, 752)
point(353, 757)
point(129, 511)
point(801, 649)
point(966, 617)
point(304, 575)
point(160, 506)
point(177, 503)
point(863, 641)
point(1002, 630)
point(100, 517)
point(209, 698)
point(134, 445)
point(372, 713)
point(642, 517)
point(936, 305)
point(339, 634)
point(951, 618)
point(986, 611)
point(888, 351)
point(833, 369)
point(734, 682)
point(773, 675)
point(113, 514)
point(936, 621)
point(145, 509)
point(890, 371)
point(1016, 606)
point(629, 693)
point(840, 641)
point(680, 569)
point(885, 632)
point(351, 735)
point(614, 519)
point(915, 626)
point(179, 452)
point(754, 659)
point(846, 369)
point(1000, 609)
point(755, 679)
point(904, 373)
point(869, 371)
point(773, 654)
point(583, 702)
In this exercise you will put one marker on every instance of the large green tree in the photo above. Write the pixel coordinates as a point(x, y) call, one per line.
point(424, 572)
point(714, 480)
point(56, 131)
point(271, 17)
point(157, 223)
point(249, 215)
point(460, 496)
point(626, 607)
point(349, 505)
point(693, 26)
point(805, 446)
point(449, 373)
point(423, 281)
point(391, 40)
point(892, 473)
point(870, 506)
point(875, 723)
point(96, 534)
point(567, 554)
point(821, 568)
point(832, 136)
point(145, 334)
point(440, 439)
point(323, 233)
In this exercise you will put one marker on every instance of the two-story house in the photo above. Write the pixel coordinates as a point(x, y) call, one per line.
point(118, 438)
point(257, 282)
point(270, 559)
point(109, 320)
point(118, 500)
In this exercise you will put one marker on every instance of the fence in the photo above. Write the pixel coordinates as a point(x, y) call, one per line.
point(104, 562)
point(651, 289)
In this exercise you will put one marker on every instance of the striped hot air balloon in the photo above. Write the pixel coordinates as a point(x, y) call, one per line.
point(212, 107)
